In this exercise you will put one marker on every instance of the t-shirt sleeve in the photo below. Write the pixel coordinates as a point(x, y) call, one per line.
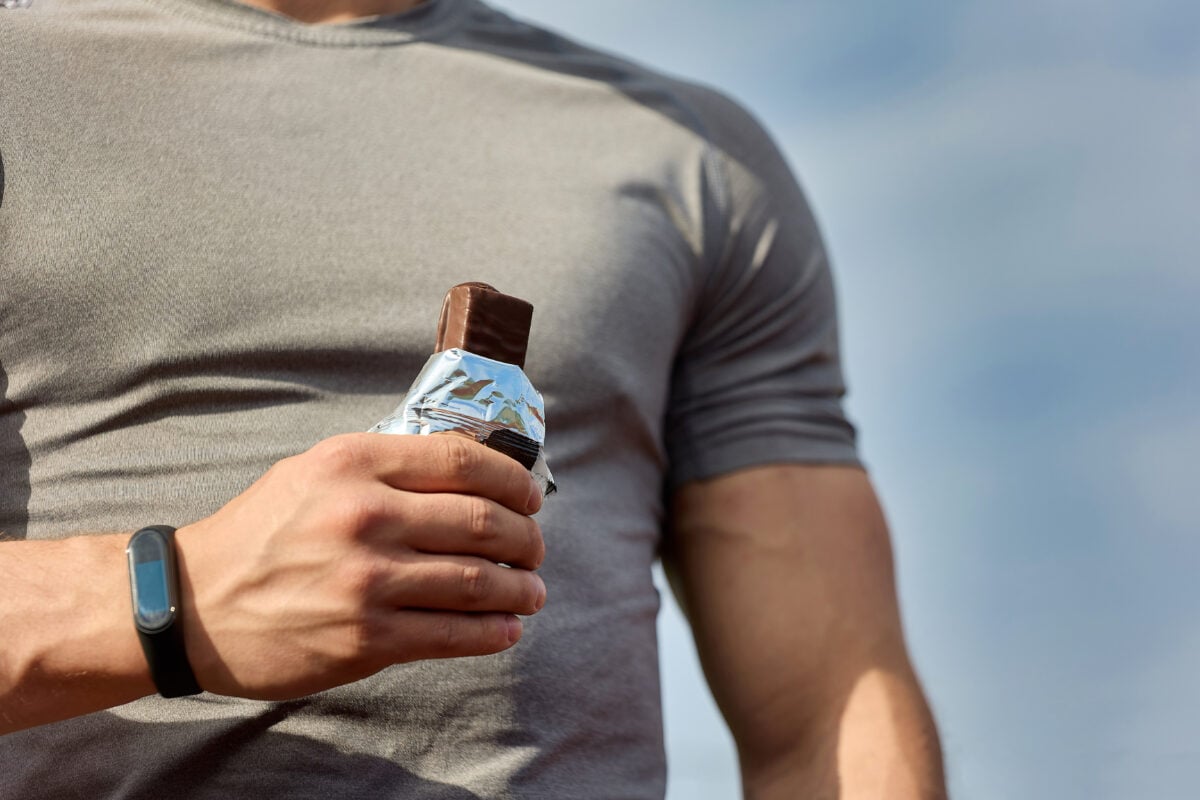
point(758, 378)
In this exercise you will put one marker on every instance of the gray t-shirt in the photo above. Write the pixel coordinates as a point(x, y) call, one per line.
point(225, 236)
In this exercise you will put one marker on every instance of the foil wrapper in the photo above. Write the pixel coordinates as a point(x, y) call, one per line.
point(490, 401)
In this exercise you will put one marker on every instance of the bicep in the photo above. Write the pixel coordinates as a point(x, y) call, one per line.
point(786, 575)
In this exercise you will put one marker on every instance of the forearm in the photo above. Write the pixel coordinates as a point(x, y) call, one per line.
point(69, 645)
point(878, 743)
point(887, 742)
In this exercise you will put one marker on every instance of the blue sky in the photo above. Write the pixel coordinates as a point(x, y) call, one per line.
point(1010, 193)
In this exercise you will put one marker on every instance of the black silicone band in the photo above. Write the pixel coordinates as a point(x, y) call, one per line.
point(164, 648)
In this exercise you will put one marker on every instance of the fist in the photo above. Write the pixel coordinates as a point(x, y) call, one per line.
point(367, 550)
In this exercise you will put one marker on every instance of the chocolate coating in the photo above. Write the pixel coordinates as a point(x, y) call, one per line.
point(477, 318)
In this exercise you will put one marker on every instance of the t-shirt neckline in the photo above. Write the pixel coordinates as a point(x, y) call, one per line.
point(429, 20)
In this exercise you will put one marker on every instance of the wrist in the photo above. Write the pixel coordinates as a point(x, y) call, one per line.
point(68, 635)
point(191, 561)
point(102, 644)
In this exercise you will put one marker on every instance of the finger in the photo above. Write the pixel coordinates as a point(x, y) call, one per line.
point(458, 583)
point(414, 635)
point(455, 524)
point(448, 464)
point(473, 526)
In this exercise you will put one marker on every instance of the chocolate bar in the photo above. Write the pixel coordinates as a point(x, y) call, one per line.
point(474, 383)
point(477, 318)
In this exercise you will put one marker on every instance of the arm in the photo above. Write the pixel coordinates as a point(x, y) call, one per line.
point(69, 642)
point(785, 573)
point(365, 551)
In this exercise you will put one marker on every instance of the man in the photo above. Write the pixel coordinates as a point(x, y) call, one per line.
point(224, 232)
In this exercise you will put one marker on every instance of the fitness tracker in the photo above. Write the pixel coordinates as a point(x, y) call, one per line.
point(154, 587)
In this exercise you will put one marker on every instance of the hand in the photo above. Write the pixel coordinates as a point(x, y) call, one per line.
point(365, 551)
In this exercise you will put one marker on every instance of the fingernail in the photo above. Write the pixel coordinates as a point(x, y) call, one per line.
point(541, 601)
point(514, 628)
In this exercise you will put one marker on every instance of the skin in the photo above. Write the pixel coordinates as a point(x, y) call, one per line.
point(367, 550)
point(320, 12)
point(786, 575)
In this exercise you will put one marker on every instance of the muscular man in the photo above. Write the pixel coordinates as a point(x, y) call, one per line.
point(224, 233)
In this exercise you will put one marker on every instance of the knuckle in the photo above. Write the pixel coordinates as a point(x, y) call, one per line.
point(358, 513)
point(360, 578)
point(365, 633)
point(481, 520)
point(370, 639)
point(340, 454)
point(475, 584)
point(447, 635)
point(461, 458)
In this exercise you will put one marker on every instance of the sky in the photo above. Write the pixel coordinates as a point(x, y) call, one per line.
point(1010, 194)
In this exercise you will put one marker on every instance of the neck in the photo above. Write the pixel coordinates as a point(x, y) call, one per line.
point(324, 11)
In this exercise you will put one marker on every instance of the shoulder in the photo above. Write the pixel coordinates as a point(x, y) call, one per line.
point(705, 111)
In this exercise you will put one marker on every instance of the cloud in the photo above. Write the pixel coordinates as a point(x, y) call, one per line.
point(995, 196)
point(1155, 37)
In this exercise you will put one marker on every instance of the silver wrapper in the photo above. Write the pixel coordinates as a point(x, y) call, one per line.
point(463, 392)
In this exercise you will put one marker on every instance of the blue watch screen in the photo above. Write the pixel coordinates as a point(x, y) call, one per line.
point(148, 562)
point(153, 606)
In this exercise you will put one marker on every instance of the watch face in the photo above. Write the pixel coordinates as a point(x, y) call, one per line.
point(153, 606)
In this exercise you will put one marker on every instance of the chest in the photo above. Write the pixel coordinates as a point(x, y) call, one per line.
point(319, 218)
